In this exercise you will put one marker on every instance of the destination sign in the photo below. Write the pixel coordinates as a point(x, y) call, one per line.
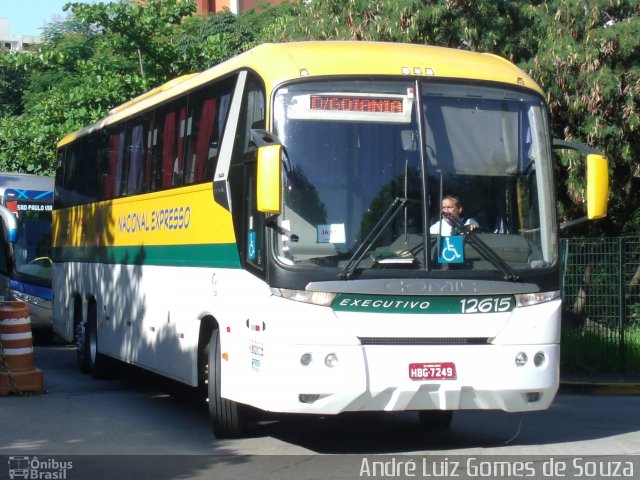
point(335, 103)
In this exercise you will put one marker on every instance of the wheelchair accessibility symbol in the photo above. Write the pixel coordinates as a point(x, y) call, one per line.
point(251, 246)
point(451, 250)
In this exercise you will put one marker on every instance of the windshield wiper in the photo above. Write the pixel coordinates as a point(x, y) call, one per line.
point(482, 248)
point(396, 206)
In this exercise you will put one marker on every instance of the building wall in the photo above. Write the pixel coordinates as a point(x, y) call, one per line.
point(14, 43)
point(235, 6)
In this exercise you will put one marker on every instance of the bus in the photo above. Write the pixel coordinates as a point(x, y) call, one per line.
point(262, 230)
point(26, 203)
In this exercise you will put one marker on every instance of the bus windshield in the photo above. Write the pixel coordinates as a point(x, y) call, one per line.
point(32, 248)
point(354, 148)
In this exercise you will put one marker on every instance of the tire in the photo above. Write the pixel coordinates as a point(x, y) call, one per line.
point(226, 416)
point(82, 346)
point(436, 419)
point(96, 362)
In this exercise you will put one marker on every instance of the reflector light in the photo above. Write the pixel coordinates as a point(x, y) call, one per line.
point(533, 396)
point(306, 359)
point(331, 360)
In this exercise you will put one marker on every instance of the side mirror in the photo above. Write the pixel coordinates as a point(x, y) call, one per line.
point(597, 186)
point(597, 191)
point(269, 174)
point(10, 225)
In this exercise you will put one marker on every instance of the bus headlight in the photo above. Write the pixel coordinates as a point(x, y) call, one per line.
point(529, 299)
point(324, 299)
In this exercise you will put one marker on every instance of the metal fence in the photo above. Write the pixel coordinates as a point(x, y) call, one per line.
point(601, 313)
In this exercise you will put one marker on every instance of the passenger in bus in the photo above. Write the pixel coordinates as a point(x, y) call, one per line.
point(452, 205)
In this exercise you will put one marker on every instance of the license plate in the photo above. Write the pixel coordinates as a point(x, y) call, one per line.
point(432, 371)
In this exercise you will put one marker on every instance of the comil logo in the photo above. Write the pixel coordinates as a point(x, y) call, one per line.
point(38, 469)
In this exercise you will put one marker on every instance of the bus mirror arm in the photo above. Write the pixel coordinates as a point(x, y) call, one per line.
point(573, 223)
point(263, 138)
point(10, 223)
point(272, 222)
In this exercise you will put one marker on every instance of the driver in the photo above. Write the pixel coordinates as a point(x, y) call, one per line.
point(451, 204)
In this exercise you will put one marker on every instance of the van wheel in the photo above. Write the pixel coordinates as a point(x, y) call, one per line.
point(226, 416)
point(436, 419)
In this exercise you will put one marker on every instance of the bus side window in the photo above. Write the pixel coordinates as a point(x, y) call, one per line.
point(4, 254)
point(252, 116)
point(112, 174)
point(135, 158)
point(60, 197)
point(173, 119)
point(205, 123)
point(70, 174)
point(86, 171)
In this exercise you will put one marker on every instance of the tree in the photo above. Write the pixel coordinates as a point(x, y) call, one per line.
point(586, 55)
point(588, 61)
point(207, 42)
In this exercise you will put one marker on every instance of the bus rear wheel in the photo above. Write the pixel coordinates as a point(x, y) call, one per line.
point(226, 416)
point(82, 347)
point(436, 419)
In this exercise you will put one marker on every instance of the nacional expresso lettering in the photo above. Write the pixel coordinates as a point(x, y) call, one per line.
point(176, 218)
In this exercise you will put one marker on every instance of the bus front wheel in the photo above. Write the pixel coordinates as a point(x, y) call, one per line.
point(226, 416)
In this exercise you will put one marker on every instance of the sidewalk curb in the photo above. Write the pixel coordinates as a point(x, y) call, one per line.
point(600, 388)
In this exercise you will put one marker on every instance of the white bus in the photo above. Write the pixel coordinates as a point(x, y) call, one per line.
point(26, 203)
point(263, 229)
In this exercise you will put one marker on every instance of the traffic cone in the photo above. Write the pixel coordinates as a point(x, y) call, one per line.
point(18, 373)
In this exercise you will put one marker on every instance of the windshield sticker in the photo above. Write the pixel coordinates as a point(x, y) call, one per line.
point(451, 250)
point(251, 246)
point(331, 233)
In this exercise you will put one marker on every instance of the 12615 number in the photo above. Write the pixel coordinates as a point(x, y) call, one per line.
point(487, 305)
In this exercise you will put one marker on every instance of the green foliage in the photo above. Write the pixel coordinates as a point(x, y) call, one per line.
point(588, 61)
point(100, 56)
point(207, 42)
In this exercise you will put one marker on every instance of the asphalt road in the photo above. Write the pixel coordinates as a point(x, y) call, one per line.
point(139, 422)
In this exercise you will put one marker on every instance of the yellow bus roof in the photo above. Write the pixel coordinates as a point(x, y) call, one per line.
point(281, 62)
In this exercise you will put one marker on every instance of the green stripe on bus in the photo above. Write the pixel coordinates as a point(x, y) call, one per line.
point(208, 255)
point(426, 304)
